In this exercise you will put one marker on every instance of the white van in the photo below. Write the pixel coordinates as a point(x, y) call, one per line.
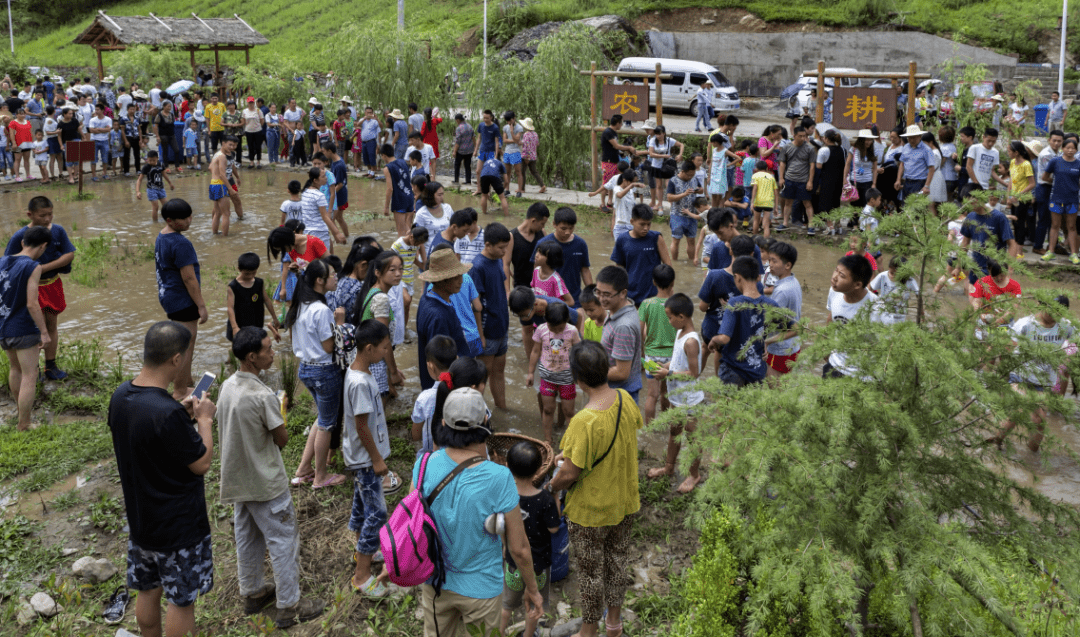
point(802, 102)
point(680, 92)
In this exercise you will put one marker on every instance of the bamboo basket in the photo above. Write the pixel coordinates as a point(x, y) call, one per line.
point(500, 443)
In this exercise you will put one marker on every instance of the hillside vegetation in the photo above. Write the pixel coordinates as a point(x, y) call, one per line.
point(299, 30)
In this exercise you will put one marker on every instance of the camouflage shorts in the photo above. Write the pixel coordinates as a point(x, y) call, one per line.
point(183, 574)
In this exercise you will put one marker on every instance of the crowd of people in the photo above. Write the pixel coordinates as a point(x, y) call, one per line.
point(629, 329)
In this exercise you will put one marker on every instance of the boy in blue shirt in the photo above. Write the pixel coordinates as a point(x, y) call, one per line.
point(575, 268)
point(491, 178)
point(717, 289)
point(191, 140)
point(639, 252)
point(178, 281)
point(723, 226)
point(489, 276)
point(490, 142)
point(744, 322)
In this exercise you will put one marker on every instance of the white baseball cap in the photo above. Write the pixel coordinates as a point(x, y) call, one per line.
point(465, 409)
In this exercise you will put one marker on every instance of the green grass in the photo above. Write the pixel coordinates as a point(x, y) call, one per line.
point(50, 453)
point(296, 29)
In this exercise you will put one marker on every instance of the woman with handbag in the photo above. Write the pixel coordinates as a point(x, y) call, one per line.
point(833, 164)
point(665, 161)
point(598, 464)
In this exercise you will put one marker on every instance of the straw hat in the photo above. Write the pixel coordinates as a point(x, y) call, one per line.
point(866, 133)
point(346, 99)
point(313, 101)
point(108, 79)
point(998, 98)
point(527, 124)
point(443, 265)
point(1035, 146)
point(913, 131)
point(139, 95)
point(648, 124)
point(396, 114)
point(707, 83)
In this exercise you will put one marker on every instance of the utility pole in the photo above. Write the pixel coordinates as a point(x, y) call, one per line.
point(400, 15)
point(11, 31)
point(485, 38)
point(1061, 59)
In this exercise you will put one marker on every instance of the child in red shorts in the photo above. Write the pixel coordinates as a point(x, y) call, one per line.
point(552, 359)
point(56, 260)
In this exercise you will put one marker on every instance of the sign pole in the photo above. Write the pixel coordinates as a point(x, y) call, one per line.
point(911, 93)
point(659, 98)
point(592, 122)
point(80, 175)
point(820, 109)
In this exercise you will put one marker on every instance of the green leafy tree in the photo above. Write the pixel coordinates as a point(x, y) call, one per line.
point(886, 486)
point(551, 90)
point(276, 79)
point(144, 64)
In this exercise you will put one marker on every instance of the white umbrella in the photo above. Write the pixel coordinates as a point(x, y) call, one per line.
point(926, 83)
point(179, 87)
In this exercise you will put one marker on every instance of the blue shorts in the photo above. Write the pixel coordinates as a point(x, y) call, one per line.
point(1059, 208)
point(683, 226)
point(476, 348)
point(324, 383)
point(496, 346)
point(183, 574)
point(482, 156)
point(512, 158)
point(218, 191)
point(191, 152)
point(796, 191)
point(154, 194)
point(729, 376)
point(368, 510)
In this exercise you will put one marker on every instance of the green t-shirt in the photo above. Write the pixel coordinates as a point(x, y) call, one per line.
point(591, 331)
point(660, 336)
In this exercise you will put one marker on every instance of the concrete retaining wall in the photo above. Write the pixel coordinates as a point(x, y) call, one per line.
point(762, 64)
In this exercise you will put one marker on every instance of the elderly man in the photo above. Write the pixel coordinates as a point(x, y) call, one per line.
point(163, 449)
point(917, 165)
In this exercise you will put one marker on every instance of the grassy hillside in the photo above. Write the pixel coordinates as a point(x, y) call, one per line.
point(296, 29)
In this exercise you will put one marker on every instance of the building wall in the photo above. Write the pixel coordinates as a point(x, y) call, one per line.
point(762, 64)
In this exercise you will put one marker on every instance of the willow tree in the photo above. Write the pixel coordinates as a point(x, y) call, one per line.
point(142, 63)
point(884, 488)
point(377, 65)
point(550, 90)
point(276, 79)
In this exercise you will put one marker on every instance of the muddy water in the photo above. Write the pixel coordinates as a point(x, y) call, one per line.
point(119, 313)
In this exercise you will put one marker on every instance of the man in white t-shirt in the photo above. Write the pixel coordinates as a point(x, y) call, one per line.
point(849, 299)
point(99, 128)
point(291, 119)
point(27, 93)
point(122, 100)
point(155, 97)
point(982, 160)
point(88, 88)
point(86, 112)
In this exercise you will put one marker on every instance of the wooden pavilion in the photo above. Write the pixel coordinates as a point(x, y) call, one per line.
point(115, 33)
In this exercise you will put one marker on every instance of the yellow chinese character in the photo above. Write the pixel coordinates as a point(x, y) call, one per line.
point(624, 103)
point(862, 108)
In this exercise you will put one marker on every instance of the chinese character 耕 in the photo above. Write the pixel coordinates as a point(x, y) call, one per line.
point(860, 108)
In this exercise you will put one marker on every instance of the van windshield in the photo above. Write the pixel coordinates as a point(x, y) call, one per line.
point(718, 80)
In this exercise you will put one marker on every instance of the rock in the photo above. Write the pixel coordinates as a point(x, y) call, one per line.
point(120, 632)
point(69, 552)
point(708, 21)
point(25, 615)
point(44, 605)
point(419, 614)
point(94, 571)
point(628, 616)
point(562, 609)
point(567, 629)
point(524, 44)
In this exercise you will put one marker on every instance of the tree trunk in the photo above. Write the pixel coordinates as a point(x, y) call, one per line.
point(916, 621)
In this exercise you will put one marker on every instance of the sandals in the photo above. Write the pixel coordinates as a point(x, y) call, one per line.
point(371, 588)
point(300, 480)
point(391, 483)
point(332, 480)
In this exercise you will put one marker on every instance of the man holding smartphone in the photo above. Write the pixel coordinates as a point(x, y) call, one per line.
point(163, 449)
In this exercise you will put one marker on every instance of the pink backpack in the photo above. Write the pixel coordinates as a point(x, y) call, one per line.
point(410, 539)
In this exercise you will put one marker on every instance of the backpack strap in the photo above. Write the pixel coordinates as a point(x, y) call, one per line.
point(453, 474)
point(618, 419)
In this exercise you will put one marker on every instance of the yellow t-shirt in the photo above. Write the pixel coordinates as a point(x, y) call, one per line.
point(605, 494)
point(591, 331)
point(214, 113)
point(1020, 173)
point(766, 190)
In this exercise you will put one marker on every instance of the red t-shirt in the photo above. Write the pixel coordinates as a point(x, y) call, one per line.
point(987, 288)
point(339, 131)
point(430, 135)
point(315, 249)
point(20, 133)
point(869, 257)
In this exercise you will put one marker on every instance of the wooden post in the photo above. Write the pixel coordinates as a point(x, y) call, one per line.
point(194, 72)
point(101, 76)
point(659, 98)
point(80, 167)
point(247, 54)
point(820, 110)
point(217, 73)
point(592, 124)
point(911, 93)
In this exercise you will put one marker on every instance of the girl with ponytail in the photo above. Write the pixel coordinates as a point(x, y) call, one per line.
point(374, 302)
point(314, 329)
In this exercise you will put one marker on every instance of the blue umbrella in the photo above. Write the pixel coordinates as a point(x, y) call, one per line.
point(792, 90)
point(179, 87)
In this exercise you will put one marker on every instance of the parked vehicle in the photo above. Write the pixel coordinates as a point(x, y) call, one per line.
point(680, 91)
point(804, 103)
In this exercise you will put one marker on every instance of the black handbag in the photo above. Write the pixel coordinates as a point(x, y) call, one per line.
point(669, 168)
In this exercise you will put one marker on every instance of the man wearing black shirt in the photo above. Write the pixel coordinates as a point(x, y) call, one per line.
point(609, 153)
point(163, 449)
point(14, 102)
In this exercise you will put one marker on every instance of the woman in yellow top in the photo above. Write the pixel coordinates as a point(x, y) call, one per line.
point(1021, 183)
point(214, 112)
point(599, 466)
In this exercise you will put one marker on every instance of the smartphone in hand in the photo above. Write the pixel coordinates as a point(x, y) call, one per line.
point(204, 385)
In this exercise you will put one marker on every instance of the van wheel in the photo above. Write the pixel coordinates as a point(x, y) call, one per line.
point(693, 109)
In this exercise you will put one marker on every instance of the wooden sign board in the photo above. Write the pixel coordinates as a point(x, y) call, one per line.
point(79, 151)
point(858, 108)
point(629, 100)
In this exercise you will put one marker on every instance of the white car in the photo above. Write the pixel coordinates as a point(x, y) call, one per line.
point(680, 90)
point(802, 102)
